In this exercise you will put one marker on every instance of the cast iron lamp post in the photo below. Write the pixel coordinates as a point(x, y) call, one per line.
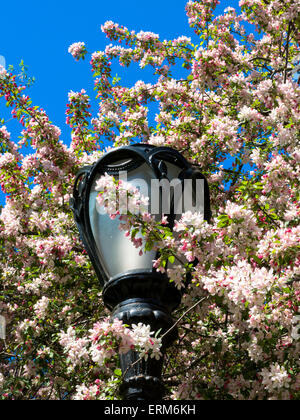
point(132, 290)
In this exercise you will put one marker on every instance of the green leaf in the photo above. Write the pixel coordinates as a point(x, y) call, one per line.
point(157, 333)
point(171, 259)
point(256, 259)
point(118, 372)
point(149, 246)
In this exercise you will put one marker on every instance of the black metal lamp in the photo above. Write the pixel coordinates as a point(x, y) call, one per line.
point(132, 289)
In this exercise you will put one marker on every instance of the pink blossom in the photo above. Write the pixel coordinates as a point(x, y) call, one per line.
point(41, 306)
point(233, 112)
point(77, 50)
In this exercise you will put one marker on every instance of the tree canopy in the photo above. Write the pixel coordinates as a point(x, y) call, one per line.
point(235, 115)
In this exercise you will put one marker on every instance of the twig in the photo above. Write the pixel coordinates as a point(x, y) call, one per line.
point(194, 363)
point(287, 52)
point(182, 316)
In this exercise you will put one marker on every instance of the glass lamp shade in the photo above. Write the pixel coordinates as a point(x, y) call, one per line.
point(159, 173)
point(114, 249)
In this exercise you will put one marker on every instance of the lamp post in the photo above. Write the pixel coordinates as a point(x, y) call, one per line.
point(132, 289)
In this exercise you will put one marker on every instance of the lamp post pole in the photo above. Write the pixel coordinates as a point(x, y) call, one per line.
point(151, 305)
point(133, 290)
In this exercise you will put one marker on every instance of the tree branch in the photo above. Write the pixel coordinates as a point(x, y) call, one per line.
point(287, 51)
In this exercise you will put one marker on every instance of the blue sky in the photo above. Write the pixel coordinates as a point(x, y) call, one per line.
point(40, 32)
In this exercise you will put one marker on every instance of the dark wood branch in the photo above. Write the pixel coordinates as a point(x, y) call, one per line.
point(287, 51)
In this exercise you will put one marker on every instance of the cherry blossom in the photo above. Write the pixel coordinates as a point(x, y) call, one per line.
point(234, 114)
point(77, 50)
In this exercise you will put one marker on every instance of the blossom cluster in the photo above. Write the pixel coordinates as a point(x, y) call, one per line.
point(78, 50)
point(106, 339)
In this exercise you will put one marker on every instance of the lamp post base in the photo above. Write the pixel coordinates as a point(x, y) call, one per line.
point(142, 378)
point(149, 298)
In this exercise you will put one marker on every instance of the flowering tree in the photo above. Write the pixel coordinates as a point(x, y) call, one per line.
point(234, 114)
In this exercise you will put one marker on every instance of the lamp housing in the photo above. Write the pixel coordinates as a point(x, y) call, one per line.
point(132, 289)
